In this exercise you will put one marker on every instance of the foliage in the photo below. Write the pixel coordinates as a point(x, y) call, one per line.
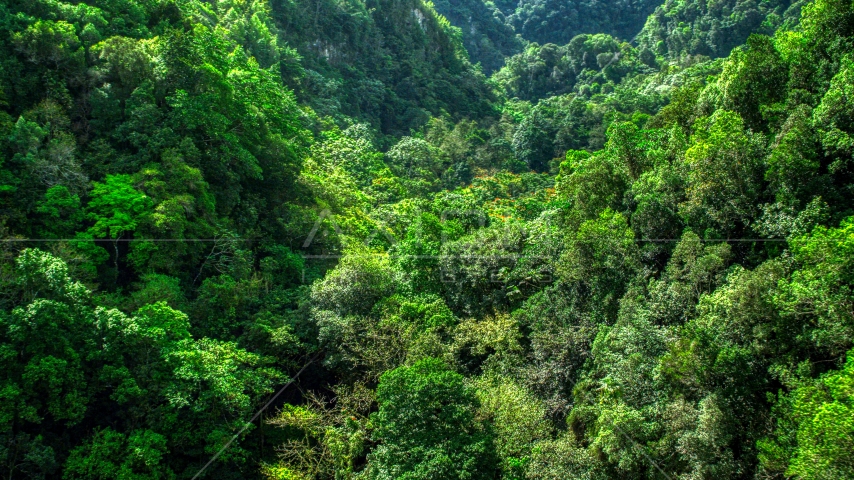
point(487, 35)
point(609, 260)
point(426, 426)
point(548, 21)
point(679, 29)
point(814, 433)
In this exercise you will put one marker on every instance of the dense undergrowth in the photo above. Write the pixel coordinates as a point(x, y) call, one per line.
point(607, 260)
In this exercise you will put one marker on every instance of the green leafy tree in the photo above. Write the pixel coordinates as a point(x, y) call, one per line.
point(725, 179)
point(113, 455)
point(426, 426)
point(824, 283)
point(63, 211)
point(815, 431)
point(116, 208)
point(45, 41)
point(835, 114)
point(418, 164)
point(601, 256)
point(750, 81)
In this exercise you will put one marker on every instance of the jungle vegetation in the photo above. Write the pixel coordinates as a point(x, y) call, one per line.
point(503, 242)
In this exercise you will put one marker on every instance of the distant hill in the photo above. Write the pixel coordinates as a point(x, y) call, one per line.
point(713, 29)
point(390, 63)
point(487, 35)
point(557, 21)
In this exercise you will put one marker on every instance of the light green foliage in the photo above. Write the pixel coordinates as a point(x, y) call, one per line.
point(417, 252)
point(486, 344)
point(343, 302)
point(360, 280)
point(336, 173)
point(425, 311)
point(116, 207)
point(330, 439)
point(518, 419)
point(418, 164)
point(815, 433)
point(558, 458)
point(49, 42)
point(819, 292)
point(835, 114)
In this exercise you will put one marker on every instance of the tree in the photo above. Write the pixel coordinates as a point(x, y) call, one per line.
point(533, 142)
point(815, 428)
point(794, 162)
point(834, 116)
point(426, 426)
point(601, 256)
point(116, 208)
point(591, 183)
point(63, 212)
point(519, 419)
point(750, 81)
point(819, 292)
point(725, 178)
point(49, 42)
point(418, 164)
point(109, 454)
point(47, 347)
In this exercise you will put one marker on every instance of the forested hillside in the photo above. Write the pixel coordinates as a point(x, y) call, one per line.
point(492, 31)
point(311, 239)
point(679, 29)
point(487, 34)
point(554, 21)
point(684, 31)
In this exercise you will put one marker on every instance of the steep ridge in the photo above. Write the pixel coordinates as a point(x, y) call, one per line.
point(487, 34)
point(393, 64)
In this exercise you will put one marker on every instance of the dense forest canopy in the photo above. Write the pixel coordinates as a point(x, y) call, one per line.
point(360, 239)
point(494, 30)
